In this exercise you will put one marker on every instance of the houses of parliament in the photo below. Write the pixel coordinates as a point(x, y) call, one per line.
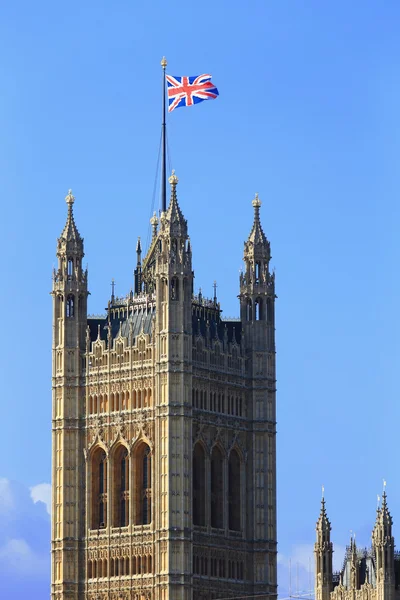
point(367, 573)
point(163, 427)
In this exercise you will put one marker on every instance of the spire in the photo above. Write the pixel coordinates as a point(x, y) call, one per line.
point(174, 215)
point(323, 523)
point(138, 251)
point(70, 232)
point(257, 247)
point(354, 564)
point(323, 551)
point(257, 235)
point(70, 247)
point(384, 521)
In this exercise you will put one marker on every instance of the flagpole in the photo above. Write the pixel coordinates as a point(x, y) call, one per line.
point(164, 143)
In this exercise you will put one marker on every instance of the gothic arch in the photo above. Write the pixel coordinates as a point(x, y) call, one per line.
point(217, 486)
point(95, 445)
point(142, 482)
point(120, 461)
point(199, 484)
point(174, 288)
point(98, 488)
point(249, 310)
point(234, 490)
point(259, 311)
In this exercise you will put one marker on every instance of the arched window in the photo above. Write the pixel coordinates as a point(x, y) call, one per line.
point(234, 490)
point(142, 485)
point(70, 306)
point(70, 268)
point(121, 488)
point(99, 489)
point(257, 272)
point(174, 288)
point(259, 310)
point(146, 493)
point(270, 310)
point(199, 485)
point(217, 488)
point(249, 312)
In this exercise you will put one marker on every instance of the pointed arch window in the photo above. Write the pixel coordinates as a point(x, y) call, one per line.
point(217, 488)
point(146, 490)
point(249, 311)
point(270, 310)
point(142, 485)
point(121, 488)
point(70, 268)
point(70, 307)
point(259, 310)
point(199, 485)
point(234, 491)
point(174, 288)
point(99, 489)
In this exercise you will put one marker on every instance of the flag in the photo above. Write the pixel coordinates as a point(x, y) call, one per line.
point(186, 91)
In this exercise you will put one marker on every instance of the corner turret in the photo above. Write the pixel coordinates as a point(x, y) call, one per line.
point(323, 551)
point(257, 284)
point(383, 546)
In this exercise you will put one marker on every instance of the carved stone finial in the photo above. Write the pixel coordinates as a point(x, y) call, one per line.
point(154, 219)
point(173, 180)
point(164, 63)
point(70, 198)
point(256, 202)
point(154, 224)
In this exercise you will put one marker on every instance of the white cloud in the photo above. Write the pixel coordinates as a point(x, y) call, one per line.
point(296, 572)
point(42, 493)
point(17, 555)
point(6, 497)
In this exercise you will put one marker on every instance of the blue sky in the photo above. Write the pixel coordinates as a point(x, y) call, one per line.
point(308, 116)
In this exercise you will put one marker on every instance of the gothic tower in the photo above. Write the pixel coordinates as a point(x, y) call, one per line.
point(257, 312)
point(323, 551)
point(367, 573)
point(69, 331)
point(383, 547)
point(164, 457)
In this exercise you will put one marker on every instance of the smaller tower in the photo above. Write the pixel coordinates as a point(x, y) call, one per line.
point(257, 315)
point(383, 547)
point(354, 564)
point(69, 343)
point(323, 551)
point(257, 284)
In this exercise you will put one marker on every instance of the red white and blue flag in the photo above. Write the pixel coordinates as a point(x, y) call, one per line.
point(186, 91)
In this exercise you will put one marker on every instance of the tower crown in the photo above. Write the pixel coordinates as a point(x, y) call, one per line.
point(323, 523)
point(383, 524)
point(257, 244)
point(173, 220)
point(70, 242)
point(70, 250)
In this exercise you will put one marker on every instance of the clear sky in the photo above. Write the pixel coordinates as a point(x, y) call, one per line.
point(308, 116)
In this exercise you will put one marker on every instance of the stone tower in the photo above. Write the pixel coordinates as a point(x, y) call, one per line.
point(69, 333)
point(383, 546)
point(164, 456)
point(323, 551)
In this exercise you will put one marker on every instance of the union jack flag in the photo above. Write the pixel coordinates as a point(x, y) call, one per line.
point(186, 91)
